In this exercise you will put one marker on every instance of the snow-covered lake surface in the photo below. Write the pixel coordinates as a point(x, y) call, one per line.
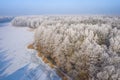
point(16, 61)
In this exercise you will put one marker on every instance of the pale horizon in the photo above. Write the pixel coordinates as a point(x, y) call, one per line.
point(60, 7)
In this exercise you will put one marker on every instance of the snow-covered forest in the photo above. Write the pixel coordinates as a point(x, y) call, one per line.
point(83, 47)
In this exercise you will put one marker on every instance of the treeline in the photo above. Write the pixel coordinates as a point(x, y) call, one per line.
point(36, 21)
point(5, 19)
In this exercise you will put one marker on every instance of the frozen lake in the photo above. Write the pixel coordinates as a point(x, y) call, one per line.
point(16, 61)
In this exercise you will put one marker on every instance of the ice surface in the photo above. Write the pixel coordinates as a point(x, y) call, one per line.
point(16, 61)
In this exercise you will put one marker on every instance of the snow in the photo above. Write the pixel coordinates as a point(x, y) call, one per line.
point(16, 61)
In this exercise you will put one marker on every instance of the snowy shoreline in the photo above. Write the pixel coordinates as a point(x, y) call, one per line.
point(16, 61)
